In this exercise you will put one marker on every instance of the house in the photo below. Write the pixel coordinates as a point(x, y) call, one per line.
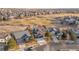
point(76, 31)
point(54, 39)
point(69, 21)
point(53, 30)
point(2, 46)
point(38, 31)
point(66, 20)
point(40, 38)
point(55, 34)
point(4, 37)
point(77, 22)
point(21, 36)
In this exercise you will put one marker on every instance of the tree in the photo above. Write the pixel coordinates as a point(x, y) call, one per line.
point(64, 36)
point(47, 34)
point(72, 35)
point(11, 44)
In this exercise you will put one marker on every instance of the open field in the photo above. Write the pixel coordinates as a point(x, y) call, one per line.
point(20, 24)
point(40, 20)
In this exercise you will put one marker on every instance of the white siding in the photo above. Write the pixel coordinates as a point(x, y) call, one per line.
point(8, 37)
point(2, 40)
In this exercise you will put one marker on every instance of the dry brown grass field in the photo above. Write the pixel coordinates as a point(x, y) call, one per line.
point(14, 24)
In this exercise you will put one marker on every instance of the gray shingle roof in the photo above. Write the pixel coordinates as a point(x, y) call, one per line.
point(19, 34)
point(3, 35)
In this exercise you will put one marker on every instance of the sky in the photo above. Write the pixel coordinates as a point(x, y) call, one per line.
point(39, 4)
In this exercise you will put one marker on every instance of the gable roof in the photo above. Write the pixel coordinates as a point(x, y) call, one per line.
point(20, 34)
point(3, 35)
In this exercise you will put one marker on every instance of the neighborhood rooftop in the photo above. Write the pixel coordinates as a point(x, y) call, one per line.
point(3, 35)
point(19, 34)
